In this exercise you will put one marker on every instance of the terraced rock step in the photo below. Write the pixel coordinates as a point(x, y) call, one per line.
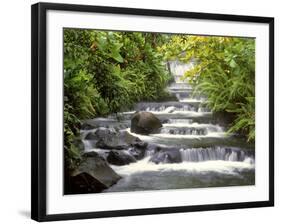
point(181, 93)
point(190, 129)
point(106, 122)
point(196, 141)
point(160, 106)
point(190, 148)
point(214, 153)
point(183, 131)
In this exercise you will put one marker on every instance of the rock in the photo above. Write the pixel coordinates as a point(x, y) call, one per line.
point(120, 158)
point(99, 170)
point(140, 144)
point(138, 149)
point(90, 154)
point(136, 152)
point(161, 158)
point(223, 118)
point(109, 138)
point(145, 123)
point(86, 126)
point(102, 132)
point(84, 183)
point(91, 136)
point(165, 120)
point(128, 138)
point(119, 140)
point(104, 122)
point(111, 144)
point(99, 133)
point(152, 147)
point(166, 155)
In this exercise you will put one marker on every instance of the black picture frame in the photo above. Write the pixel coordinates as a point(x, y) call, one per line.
point(39, 107)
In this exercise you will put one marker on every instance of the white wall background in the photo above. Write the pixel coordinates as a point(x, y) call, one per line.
point(15, 110)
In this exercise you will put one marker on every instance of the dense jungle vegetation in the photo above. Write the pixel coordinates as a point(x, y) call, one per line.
point(224, 71)
point(107, 72)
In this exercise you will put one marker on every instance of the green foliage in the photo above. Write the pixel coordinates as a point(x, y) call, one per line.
point(245, 122)
point(224, 71)
point(107, 72)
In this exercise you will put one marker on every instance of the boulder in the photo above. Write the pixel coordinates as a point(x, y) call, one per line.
point(166, 155)
point(86, 126)
point(119, 140)
point(83, 183)
point(109, 138)
point(120, 157)
point(99, 133)
point(145, 123)
point(140, 144)
point(99, 170)
point(138, 149)
point(152, 147)
point(112, 143)
point(110, 122)
point(128, 138)
point(102, 132)
point(91, 135)
point(137, 153)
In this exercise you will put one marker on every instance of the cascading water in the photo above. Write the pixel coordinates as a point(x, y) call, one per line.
point(178, 69)
point(195, 151)
point(217, 153)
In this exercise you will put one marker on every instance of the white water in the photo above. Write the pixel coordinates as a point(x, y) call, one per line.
point(179, 121)
point(97, 150)
point(169, 109)
point(88, 145)
point(178, 69)
point(219, 166)
point(199, 166)
point(218, 153)
point(161, 135)
point(192, 100)
point(212, 134)
point(186, 113)
point(194, 125)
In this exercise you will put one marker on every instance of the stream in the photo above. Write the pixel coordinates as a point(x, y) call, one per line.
point(209, 157)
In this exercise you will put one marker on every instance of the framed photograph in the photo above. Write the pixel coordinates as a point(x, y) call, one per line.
point(139, 111)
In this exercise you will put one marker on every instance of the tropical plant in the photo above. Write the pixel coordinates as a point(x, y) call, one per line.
point(224, 71)
point(107, 72)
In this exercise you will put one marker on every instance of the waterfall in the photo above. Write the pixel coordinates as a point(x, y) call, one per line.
point(221, 166)
point(183, 131)
point(180, 121)
point(149, 153)
point(217, 153)
point(190, 150)
point(178, 69)
point(88, 144)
